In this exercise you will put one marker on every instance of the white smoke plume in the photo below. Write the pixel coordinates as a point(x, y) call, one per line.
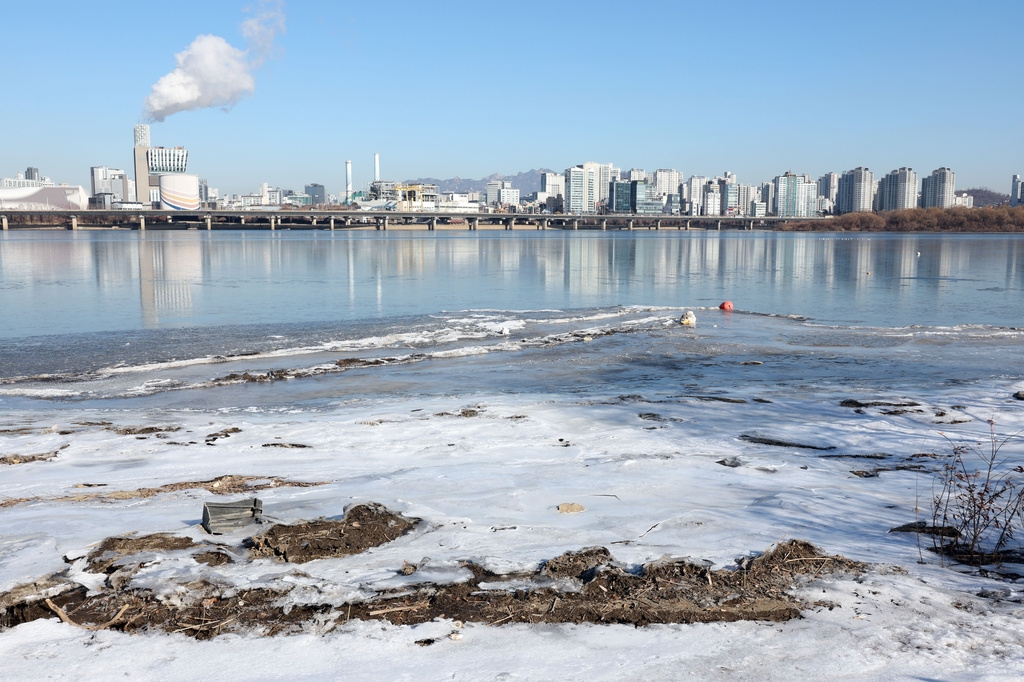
point(213, 73)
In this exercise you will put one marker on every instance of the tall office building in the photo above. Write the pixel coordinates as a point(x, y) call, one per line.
point(619, 193)
point(796, 196)
point(493, 193)
point(580, 190)
point(31, 173)
point(637, 174)
point(1016, 191)
point(937, 189)
point(898, 190)
point(553, 184)
point(828, 186)
point(316, 193)
point(856, 191)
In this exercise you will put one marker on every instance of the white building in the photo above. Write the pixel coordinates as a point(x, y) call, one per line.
point(693, 193)
point(666, 181)
point(746, 194)
point(937, 189)
point(711, 202)
point(580, 190)
point(856, 191)
point(604, 173)
point(828, 186)
point(796, 196)
point(963, 200)
point(19, 180)
point(1016, 191)
point(112, 181)
point(167, 160)
point(897, 191)
point(552, 184)
point(637, 174)
point(508, 196)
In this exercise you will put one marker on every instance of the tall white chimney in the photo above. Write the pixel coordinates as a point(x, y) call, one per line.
point(376, 167)
point(348, 181)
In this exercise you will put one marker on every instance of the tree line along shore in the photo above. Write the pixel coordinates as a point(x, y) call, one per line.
point(988, 219)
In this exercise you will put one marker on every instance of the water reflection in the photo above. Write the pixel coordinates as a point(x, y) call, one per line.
point(64, 282)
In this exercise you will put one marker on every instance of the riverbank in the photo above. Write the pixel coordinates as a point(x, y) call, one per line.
point(942, 220)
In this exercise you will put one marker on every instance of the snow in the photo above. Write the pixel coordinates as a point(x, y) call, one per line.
point(487, 488)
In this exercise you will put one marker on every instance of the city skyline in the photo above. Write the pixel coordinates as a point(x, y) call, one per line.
point(336, 85)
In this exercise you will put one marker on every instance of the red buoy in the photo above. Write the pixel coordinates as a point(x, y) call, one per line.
point(726, 306)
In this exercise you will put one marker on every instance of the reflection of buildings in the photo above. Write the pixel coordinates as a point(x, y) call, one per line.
point(168, 269)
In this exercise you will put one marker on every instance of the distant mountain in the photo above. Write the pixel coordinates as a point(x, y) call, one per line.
point(526, 183)
point(983, 196)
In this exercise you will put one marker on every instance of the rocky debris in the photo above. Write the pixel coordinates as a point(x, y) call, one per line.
point(778, 442)
point(464, 412)
point(1019, 395)
point(850, 402)
point(143, 430)
point(226, 433)
point(223, 517)
point(570, 508)
point(363, 526)
point(103, 558)
point(285, 445)
point(575, 564)
point(925, 529)
point(598, 590)
point(717, 398)
point(25, 459)
point(731, 462)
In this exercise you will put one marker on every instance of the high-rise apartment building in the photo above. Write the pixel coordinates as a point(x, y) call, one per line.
point(796, 196)
point(637, 174)
point(828, 186)
point(1016, 191)
point(666, 181)
point(711, 203)
point(768, 197)
point(856, 191)
point(898, 190)
point(604, 173)
point(937, 189)
point(317, 194)
point(746, 195)
point(693, 194)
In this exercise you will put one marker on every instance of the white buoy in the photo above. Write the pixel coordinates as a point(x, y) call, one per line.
point(688, 319)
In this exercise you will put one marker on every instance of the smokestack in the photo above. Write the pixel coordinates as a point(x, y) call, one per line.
point(376, 167)
point(348, 181)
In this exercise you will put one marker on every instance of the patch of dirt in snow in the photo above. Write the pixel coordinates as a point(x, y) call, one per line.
point(222, 485)
point(363, 526)
point(576, 587)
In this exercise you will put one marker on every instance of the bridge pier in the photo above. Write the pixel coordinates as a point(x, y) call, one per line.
point(314, 220)
point(751, 224)
point(544, 224)
point(719, 226)
point(630, 224)
point(3, 222)
point(511, 224)
point(332, 222)
point(575, 223)
point(687, 224)
point(347, 221)
point(208, 224)
point(272, 220)
point(604, 224)
point(242, 219)
point(384, 224)
point(433, 224)
point(142, 223)
point(474, 223)
point(657, 225)
point(74, 222)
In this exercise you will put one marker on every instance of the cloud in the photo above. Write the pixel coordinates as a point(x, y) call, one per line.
point(213, 73)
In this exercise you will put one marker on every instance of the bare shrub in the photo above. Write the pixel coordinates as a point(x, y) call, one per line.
point(981, 496)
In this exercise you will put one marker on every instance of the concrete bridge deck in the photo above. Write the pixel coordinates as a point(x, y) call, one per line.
point(370, 220)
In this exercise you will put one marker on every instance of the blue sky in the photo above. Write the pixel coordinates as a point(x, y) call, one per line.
point(473, 88)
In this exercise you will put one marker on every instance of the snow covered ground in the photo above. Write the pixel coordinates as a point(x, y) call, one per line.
point(644, 463)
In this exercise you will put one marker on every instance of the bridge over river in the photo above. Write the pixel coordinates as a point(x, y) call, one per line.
point(378, 220)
